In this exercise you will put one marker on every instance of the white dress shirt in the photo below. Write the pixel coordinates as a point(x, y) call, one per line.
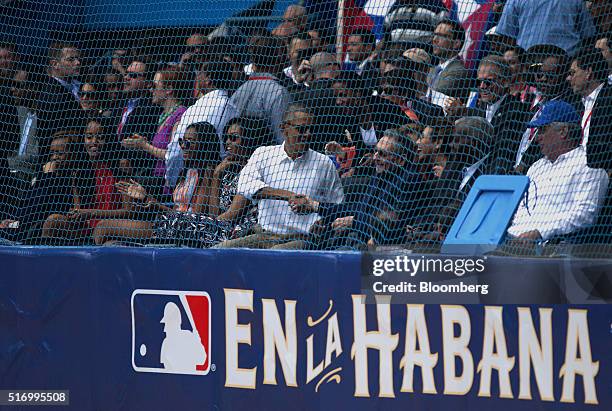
point(492, 108)
point(29, 124)
point(288, 72)
point(368, 136)
point(563, 197)
point(589, 103)
point(214, 108)
point(313, 174)
point(74, 86)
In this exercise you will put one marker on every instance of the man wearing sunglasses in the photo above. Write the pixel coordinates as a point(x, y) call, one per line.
point(193, 57)
point(280, 179)
point(389, 202)
point(548, 70)
point(506, 113)
point(136, 113)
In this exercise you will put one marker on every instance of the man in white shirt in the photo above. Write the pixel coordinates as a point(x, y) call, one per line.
point(213, 106)
point(564, 193)
point(278, 175)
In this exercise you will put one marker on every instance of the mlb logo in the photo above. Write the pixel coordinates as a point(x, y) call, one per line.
point(171, 332)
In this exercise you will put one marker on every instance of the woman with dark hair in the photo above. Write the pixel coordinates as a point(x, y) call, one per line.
point(95, 175)
point(50, 193)
point(172, 91)
point(191, 197)
point(94, 99)
point(235, 213)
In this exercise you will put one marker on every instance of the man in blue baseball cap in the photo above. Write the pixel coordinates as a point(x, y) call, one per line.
point(564, 193)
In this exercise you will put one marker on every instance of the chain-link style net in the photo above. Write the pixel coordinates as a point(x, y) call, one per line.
point(323, 124)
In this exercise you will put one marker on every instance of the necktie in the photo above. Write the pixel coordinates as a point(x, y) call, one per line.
point(436, 75)
point(122, 123)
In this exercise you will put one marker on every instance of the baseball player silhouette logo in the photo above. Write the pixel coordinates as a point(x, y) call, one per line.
point(181, 350)
point(171, 332)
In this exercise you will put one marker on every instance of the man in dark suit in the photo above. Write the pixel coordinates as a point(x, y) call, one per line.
point(506, 113)
point(548, 68)
point(137, 114)
point(359, 47)
point(588, 77)
point(449, 77)
point(58, 107)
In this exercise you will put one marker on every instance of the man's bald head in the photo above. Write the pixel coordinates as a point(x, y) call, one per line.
point(294, 22)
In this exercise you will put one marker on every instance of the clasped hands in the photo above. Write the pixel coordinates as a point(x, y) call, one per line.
point(302, 204)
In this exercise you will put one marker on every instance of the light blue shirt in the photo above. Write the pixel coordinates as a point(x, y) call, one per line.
point(563, 23)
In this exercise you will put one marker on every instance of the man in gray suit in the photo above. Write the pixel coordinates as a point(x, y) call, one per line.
point(450, 76)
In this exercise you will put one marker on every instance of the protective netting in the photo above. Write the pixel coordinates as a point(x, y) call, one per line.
point(315, 125)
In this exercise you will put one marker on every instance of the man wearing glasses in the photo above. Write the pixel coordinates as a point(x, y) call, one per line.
point(137, 113)
point(449, 77)
point(506, 113)
point(390, 201)
point(548, 70)
point(282, 180)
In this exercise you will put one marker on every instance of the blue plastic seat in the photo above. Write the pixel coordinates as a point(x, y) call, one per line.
point(485, 215)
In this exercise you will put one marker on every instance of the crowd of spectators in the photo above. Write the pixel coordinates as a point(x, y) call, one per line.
point(280, 140)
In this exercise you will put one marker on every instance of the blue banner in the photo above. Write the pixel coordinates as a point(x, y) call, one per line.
point(159, 329)
point(172, 13)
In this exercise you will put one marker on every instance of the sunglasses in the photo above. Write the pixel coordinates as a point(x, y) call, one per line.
point(132, 75)
point(383, 153)
point(301, 129)
point(195, 49)
point(486, 83)
point(184, 143)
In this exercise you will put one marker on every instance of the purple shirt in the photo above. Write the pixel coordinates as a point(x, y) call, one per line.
point(162, 138)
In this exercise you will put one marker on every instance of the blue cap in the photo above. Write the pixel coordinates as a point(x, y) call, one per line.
point(555, 112)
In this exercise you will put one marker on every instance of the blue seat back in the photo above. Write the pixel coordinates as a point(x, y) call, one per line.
point(485, 215)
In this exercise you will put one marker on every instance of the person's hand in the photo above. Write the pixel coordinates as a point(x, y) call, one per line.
point(343, 223)
point(533, 235)
point(9, 223)
point(437, 170)
point(387, 215)
point(132, 189)
point(304, 72)
point(185, 58)
point(78, 214)
point(50, 167)
point(222, 166)
point(135, 142)
point(116, 63)
point(318, 228)
point(454, 107)
point(333, 147)
point(301, 204)
point(367, 160)
point(525, 243)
